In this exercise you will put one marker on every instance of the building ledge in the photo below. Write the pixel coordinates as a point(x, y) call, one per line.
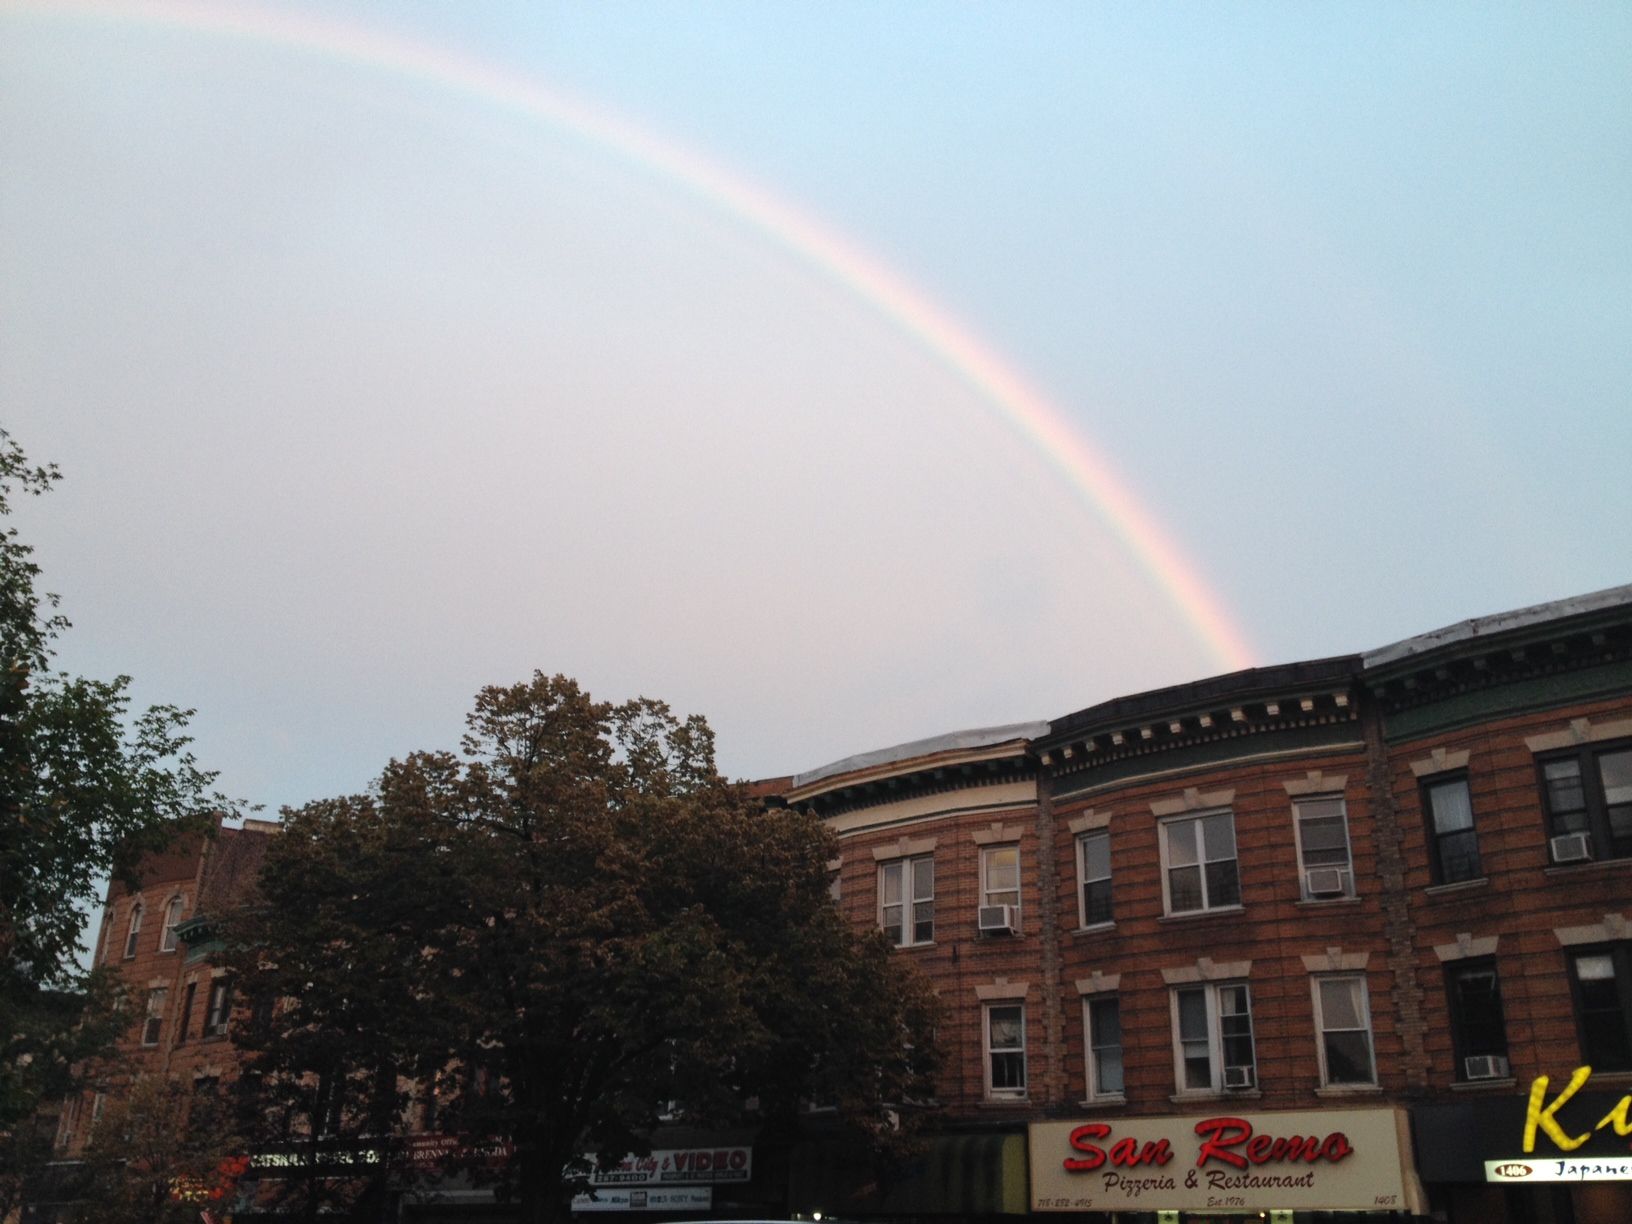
point(1313, 903)
point(1194, 1098)
point(1111, 1100)
point(1223, 911)
point(1349, 1090)
point(1099, 928)
point(1595, 867)
point(1460, 886)
point(1507, 1081)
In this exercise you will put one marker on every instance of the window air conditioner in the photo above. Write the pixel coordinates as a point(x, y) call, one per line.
point(1000, 918)
point(1485, 1066)
point(1326, 881)
point(1572, 848)
point(1238, 1077)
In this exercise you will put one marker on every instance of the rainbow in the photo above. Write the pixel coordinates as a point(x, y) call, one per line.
point(1026, 409)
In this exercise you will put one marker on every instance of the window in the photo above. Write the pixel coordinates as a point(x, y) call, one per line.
point(1102, 1039)
point(220, 1008)
point(1006, 1051)
point(906, 900)
point(1000, 876)
point(1094, 870)
point(1214, 1028)
point(135, 930)
point(1198, 860)
point(1590, 793)
point(1478, 1032)
point(185, 1020)
point(1343, 1015)
point(1603, 1006)
point(172, 915)
point(1453, 846)
point(1323, 848)
point(153, 1022)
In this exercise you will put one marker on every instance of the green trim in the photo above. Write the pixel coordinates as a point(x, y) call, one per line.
point(1505, 700)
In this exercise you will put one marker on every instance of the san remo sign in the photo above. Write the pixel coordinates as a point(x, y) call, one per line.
point(1331, 1160)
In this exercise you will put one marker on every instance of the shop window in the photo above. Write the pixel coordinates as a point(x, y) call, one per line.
point(135, 930)
point(1102, 1039)
point(906, 900)
point(1588, 795)
point(220, 1008)
point(153, 1021)
point(172, 915)
point(1198, 863)
point(1453, 845)
point(1603, 1006)
point(1343, 1015)
point(1005, 1040)
point(1094, 870)
point(1323, 848)
point(1213, 1048)
point(1478, 1031)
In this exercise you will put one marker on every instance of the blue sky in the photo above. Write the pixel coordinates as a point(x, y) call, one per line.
point(370, 392)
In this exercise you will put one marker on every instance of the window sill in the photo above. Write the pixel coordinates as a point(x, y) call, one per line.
point(1109, 1100)
point(1018, 1102)
point(1460, 886)
point(1233, 1094)
point(912, 947)
point(1484, 1085)
point(1348, 1090)
point(1323, 902)
point(1222, 911)
point(1096, 929)
point(1587, 868)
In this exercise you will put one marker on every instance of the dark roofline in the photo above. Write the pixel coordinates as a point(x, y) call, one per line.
point(1213, 693)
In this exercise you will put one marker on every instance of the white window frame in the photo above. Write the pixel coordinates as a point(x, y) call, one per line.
point(218, 1007)
point(153, 1020)
point(989, 1053)
point(1083, 878)
point(909, 899)
point(1096, 1090)
point(1212, 993)
point(173, 910)
point(1321, 1030)
point(133, 935)
point(988, 855)
point(1304, 868)
point(1197, 818)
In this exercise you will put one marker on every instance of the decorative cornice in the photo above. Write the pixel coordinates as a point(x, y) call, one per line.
point(1002, 988)
point(1335, 960)
point(1580, 731)
point(1088, 821)
point(1099, 983)
point(1440, 760)
point(904, 847)
point(1612, 929)
point(997, 834)
point(1467, 947)
point(1192, 800)
point(1315, 782)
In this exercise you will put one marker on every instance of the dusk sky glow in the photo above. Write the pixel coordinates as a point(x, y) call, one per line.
point(846, 373)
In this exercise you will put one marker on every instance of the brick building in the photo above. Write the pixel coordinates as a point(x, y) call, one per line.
point(156, 937)
point(1338, 935)
point(1357, 905)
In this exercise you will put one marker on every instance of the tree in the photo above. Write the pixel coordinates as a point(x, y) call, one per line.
point(86, 787)
point(159, 1153)
point(585, 930)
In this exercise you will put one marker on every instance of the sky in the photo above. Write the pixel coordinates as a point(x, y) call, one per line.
point(847, 373)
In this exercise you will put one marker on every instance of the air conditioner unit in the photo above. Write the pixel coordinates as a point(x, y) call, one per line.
point(1238, 1077)
point(1572, 848)
point(1485, 1066)
point(1004, 919)
point(1326, 881)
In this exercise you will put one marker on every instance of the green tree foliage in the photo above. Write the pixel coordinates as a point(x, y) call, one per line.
point(575, 928)
point(86, 786)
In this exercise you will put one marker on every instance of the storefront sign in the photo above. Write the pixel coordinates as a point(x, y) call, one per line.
point(1573, 1169)
point(703, 1166)
point(670, 1198)
point(1335, 1160)
point(1541, 1115)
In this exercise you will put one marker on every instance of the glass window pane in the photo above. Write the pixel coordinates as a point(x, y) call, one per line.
point(1184, 888)
point(1006, 1027)
point(1452, 807)
point(923, 879)
point(1223, 886)
point(1193, 1015)
point(1096, 902)
point(1615, 768)
point(1564, 793)
point(1181, 842)
point(1348, 1058)
point(923, 921)
point(1108, 1069)
point(1220, 835)
point(1096, 856)
point(1595, 968)
point(889, 882)
point(1340, 1003)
